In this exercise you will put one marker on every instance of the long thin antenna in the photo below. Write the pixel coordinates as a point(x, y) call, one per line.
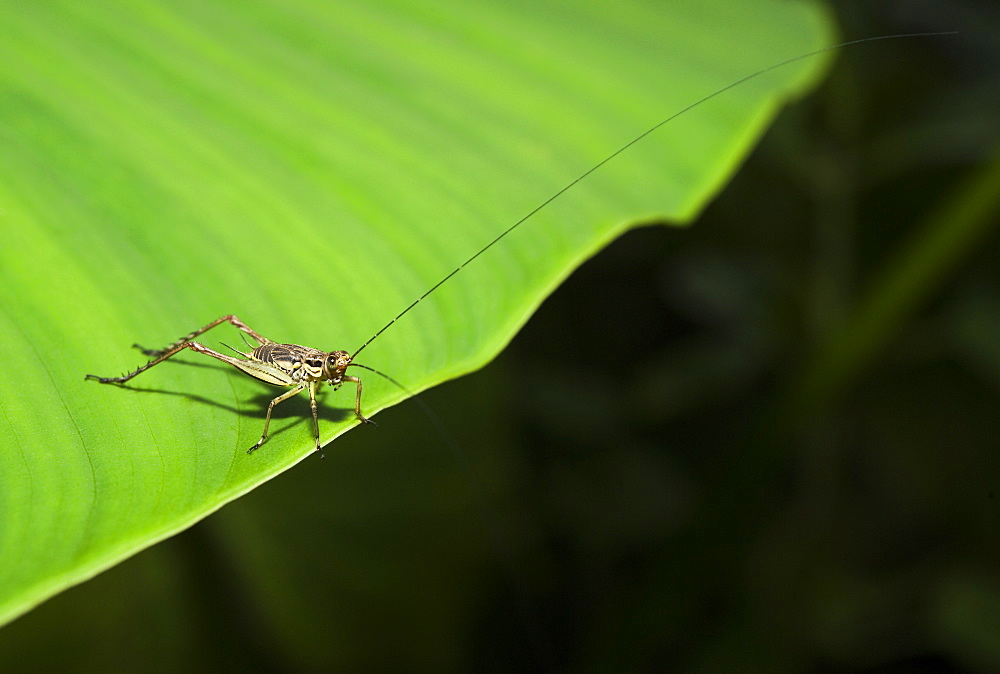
point(630, 144)
point(491, 523)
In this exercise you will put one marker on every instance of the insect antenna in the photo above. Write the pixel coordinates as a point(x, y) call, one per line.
point(474, 483)
point(383, 374)
point(629, 144)
point(461, 457)
point(428, 412)
point(491, 523)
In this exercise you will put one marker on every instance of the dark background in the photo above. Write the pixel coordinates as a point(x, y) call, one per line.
point(769, 441)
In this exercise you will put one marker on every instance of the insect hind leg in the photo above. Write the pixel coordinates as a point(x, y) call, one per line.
point(172, 350)
point(232, 319)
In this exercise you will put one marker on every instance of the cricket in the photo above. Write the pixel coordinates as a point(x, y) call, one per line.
point(302, 368)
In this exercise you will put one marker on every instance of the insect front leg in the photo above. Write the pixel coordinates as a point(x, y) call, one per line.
point(357, 401)
point(267, 420)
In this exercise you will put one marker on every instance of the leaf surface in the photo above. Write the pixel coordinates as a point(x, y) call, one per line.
point(313, 168)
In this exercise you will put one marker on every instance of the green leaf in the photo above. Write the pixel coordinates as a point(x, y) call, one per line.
point(313, 168)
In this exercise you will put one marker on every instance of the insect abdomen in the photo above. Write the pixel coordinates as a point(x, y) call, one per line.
point(264, 351)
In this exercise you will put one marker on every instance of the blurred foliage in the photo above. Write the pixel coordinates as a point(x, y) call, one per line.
point(768, 442)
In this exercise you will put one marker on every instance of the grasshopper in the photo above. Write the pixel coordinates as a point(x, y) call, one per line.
point(300, 367)
point(303, 368)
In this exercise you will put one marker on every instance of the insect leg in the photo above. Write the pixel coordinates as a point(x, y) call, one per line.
point(312, 404)
point(267, 420)
point(163, 355)
point(166, 353)
point(357, 401)
point(230, 318)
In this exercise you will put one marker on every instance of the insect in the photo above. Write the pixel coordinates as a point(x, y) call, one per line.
point(303, 368)
point(300, 367)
